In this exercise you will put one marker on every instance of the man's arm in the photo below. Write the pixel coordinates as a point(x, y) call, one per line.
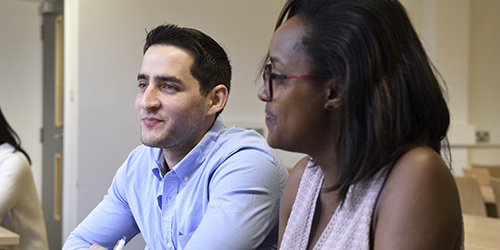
point(243, 206)
point(110, 220)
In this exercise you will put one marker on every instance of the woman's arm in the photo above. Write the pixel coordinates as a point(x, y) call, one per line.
point(14, 173)
point(419, 207)
point(289, 193)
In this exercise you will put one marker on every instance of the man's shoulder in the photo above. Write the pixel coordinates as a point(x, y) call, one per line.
point(144, 150)
point(239, 137)
point(240, 144)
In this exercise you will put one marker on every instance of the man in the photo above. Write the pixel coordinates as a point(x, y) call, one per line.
point(194, 184)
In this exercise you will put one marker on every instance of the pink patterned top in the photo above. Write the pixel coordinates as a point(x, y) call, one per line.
point(349, 227)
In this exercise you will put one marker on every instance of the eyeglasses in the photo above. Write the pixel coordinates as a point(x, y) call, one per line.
point(268, 76)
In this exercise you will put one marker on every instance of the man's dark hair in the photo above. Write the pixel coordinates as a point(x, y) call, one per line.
point(211, 65)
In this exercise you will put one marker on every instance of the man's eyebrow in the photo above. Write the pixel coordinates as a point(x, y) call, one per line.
point(142, 77)
point(160, 78)
point(167, 79)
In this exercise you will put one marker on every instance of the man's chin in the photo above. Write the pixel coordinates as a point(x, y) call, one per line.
point(150, 142)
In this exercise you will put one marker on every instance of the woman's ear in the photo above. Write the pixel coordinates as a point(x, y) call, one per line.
point(217, 99)
point(333, 99)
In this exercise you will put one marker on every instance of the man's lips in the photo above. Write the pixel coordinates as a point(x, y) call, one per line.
point(151, 121)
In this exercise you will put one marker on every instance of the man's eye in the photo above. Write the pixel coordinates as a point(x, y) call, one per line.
point(169, 87)
point(142, 85)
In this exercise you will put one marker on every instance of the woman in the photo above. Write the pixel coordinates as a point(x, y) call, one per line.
point(20, 209)
point(349, 84)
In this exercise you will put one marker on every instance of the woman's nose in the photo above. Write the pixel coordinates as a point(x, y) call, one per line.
point(262, 94)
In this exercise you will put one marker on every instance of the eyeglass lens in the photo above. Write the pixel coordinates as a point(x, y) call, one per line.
point(268, 81)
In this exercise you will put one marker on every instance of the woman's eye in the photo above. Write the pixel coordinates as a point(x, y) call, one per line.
point(278, 77)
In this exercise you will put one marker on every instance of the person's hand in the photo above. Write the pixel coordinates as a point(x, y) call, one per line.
point(96, 247)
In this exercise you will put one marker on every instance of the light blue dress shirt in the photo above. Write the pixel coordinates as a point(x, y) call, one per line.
point(223, 195)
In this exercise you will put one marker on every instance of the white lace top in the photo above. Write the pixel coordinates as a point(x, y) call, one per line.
point(349, 227)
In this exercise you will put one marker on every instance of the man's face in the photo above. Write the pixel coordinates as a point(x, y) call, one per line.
point(169, 105)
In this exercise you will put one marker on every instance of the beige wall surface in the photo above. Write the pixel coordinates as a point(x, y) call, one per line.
point(21, 76)
point(484, 80)
point(462, 42)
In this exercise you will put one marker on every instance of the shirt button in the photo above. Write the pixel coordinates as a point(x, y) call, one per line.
point(169, 245)
point(186, 178)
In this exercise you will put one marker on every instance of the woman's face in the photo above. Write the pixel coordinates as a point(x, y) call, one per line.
point(295, 116)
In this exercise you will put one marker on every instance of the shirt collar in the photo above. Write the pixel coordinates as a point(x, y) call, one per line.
point(194, 159)
point(160, 163)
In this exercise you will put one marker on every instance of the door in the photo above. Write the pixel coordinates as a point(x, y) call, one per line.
point(52, 134)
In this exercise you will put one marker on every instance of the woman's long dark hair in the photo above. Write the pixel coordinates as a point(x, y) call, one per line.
point(7, 134)
point(390, 98)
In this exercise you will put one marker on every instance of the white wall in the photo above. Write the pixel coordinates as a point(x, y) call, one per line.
point(463, 43)
point(21, 76)
point(464, 46)
point(484, 86)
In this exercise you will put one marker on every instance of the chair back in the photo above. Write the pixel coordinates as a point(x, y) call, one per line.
point(495, 184)
point(471, 199)
point(482, 175)
point(494, 170)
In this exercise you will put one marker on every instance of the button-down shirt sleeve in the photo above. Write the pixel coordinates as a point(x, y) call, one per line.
point(224, 194)
point(110, 220)
point(242, 206)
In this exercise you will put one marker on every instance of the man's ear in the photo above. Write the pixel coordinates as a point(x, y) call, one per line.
point(217, 99)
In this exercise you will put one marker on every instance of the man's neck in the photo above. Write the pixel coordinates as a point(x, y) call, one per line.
point(164, 169)
point(172, 158)
point(175, 154)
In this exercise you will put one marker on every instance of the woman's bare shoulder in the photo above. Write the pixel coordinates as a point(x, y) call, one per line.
point(298, 169)
point(419, 204)
point(293, 182)
point(290, 192)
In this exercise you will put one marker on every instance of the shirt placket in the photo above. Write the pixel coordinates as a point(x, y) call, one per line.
point(170, 190)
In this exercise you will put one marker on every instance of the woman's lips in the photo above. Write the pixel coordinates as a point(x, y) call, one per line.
point(269, 115)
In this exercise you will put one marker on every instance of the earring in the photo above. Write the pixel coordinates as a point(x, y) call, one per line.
point(329, 106)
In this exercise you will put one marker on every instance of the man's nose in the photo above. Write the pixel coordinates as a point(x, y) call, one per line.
point(150, 98)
